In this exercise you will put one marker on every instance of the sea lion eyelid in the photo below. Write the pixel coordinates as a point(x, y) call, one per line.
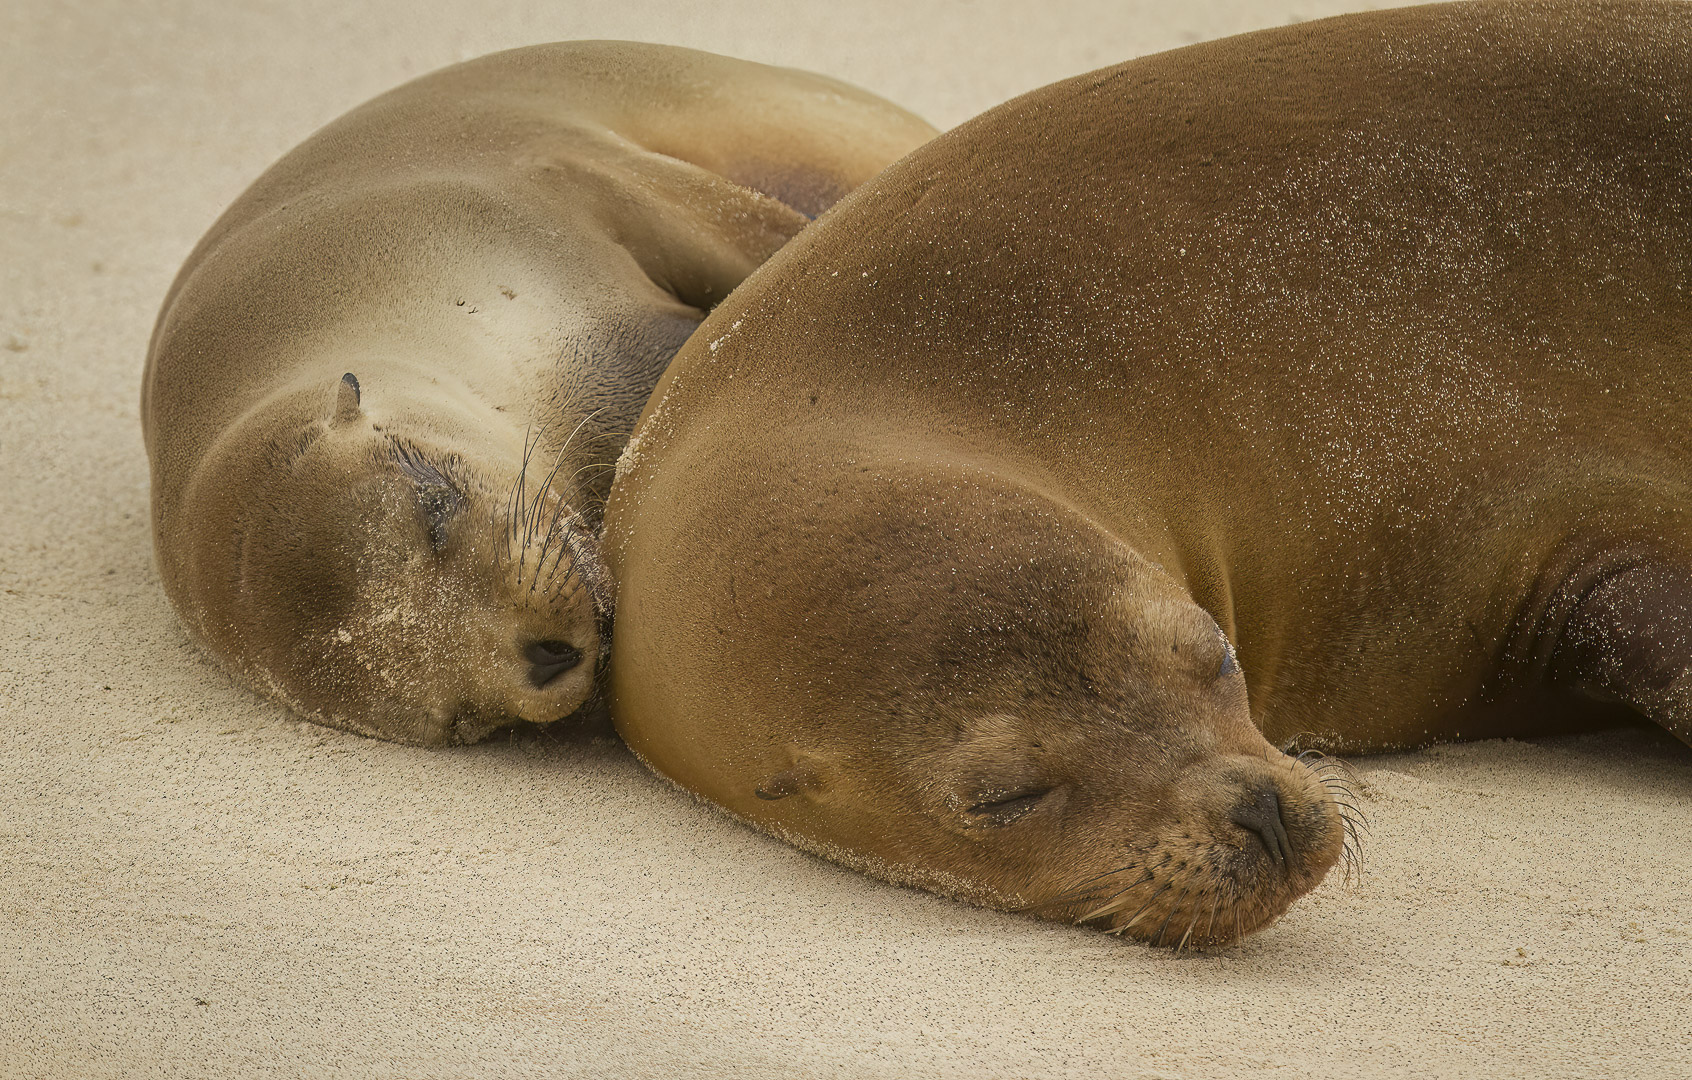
point(417, 465)
point(440, 504)
point(438, 494)
point(1007, 808)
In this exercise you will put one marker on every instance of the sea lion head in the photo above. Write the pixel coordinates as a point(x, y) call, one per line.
point(1110, 776)
point(396, 567)
point(1113, 776)
point(955, 683)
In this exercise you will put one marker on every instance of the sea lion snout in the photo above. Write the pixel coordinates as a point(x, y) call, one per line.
point(1212, 855)
point(1287, 823)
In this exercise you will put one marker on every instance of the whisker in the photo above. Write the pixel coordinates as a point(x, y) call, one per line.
point(1215, 905)
point(517, 502)
point(1080, 885)
point(1118, 899)
point(502, 552)
point(1182, 944)
point(1173, 908)
point(1113, 903)
point(546, 488)
point(1142, 910)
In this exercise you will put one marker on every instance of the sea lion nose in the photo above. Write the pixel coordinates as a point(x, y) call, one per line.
point(550, 659)
point(1259, 813)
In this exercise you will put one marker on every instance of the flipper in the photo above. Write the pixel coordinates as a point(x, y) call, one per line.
point(1628, 637)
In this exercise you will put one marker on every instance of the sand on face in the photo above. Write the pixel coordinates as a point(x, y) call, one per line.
point(194, 884)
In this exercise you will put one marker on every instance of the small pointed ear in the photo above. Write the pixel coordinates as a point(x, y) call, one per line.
point(1230, 662)
point(787, 782)
point(347, 399)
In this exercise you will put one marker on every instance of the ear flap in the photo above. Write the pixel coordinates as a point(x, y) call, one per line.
point(346, 400)
point(1230, 662)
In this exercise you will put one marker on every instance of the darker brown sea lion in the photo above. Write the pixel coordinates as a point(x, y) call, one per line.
point(383, 394)
point(1360, 344)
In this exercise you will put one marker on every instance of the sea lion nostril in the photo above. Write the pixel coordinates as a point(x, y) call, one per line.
point(1260, 814)
point(550, 659)
point(552, 652)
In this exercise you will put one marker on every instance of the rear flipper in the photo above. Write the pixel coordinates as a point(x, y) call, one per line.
point(1629, 638)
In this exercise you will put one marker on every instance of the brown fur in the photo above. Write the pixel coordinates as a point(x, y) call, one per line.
point(504, 254)
point(1365, 338)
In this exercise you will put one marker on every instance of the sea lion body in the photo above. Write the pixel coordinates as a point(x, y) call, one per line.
point(1365, 338)
point(384, 392)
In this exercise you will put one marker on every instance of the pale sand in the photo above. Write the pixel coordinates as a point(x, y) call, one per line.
point(193, 884)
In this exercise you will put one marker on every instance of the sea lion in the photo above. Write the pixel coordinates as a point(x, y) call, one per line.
point(384, 393)
point(1002, 531)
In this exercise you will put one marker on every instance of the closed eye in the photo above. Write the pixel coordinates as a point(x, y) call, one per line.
point(439, 505)
point(1005, 809)
point(438, 496)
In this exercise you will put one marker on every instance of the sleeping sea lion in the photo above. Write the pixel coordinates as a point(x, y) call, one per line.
point(384, 392)
point(1000, 535)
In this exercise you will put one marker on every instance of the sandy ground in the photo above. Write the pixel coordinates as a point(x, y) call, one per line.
point(194, 884)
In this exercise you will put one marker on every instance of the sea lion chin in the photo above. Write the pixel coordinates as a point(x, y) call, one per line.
point(384, 395)
point(1357, 346)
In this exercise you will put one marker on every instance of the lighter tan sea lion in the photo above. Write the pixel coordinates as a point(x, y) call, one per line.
point(384, 392)
point(1361, 345)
